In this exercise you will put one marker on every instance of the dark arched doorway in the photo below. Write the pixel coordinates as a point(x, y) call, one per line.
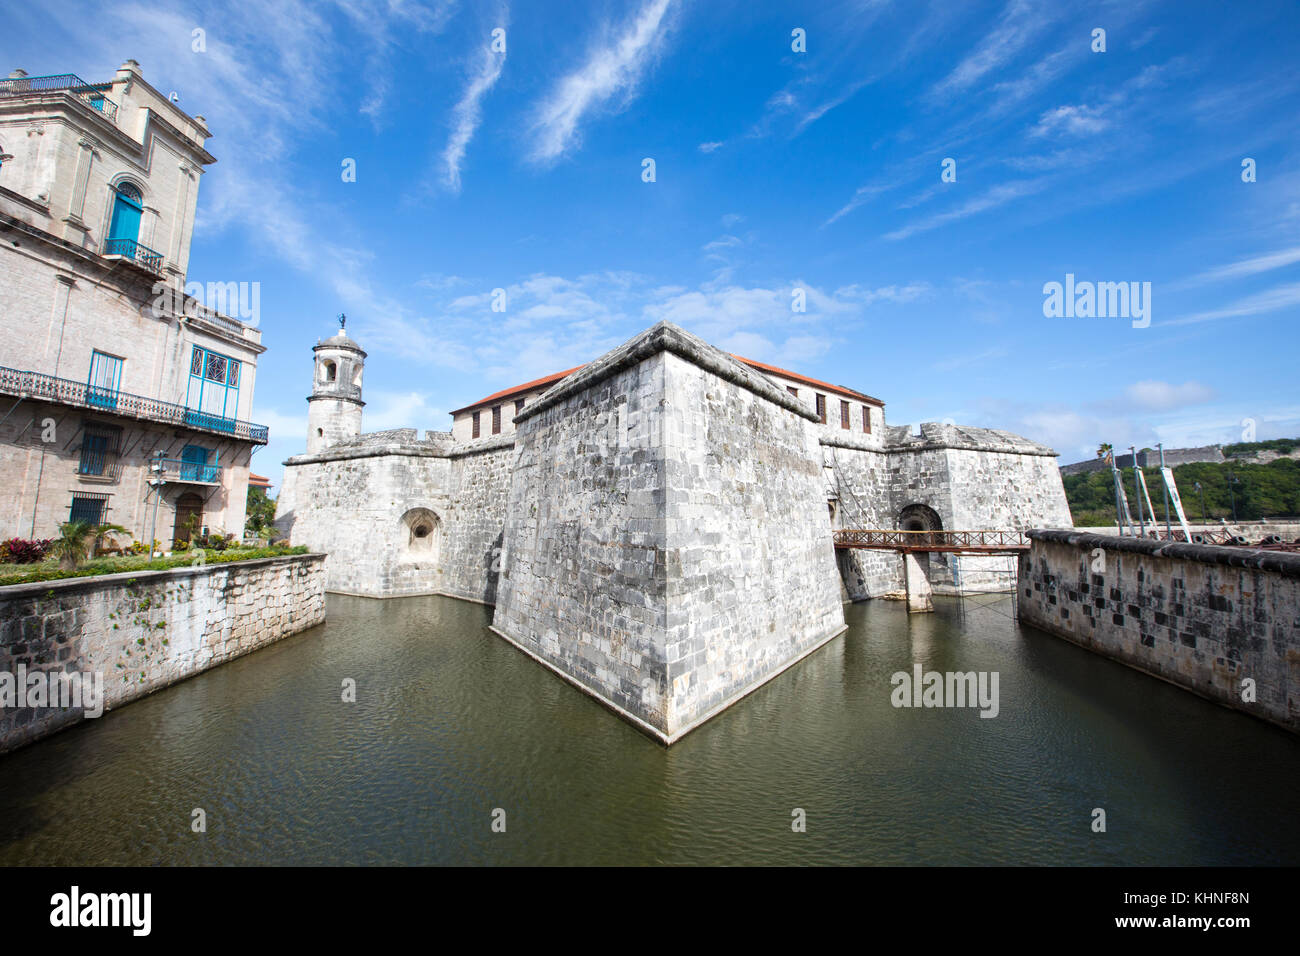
point(919, 517)
point(189, 514)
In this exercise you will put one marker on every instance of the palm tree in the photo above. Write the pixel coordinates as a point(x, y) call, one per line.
point(1107, 452)
point(76, 539)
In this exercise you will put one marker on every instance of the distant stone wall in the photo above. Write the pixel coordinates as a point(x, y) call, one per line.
point(145, 630)
point(999, 491)
point(353, 501)
point(860, 480)
point(476, 518)
point(1200, 616)
point(351, 508)
point(1148, 459)
point(667, 542)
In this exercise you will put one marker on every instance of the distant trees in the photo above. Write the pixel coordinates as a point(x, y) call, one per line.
point(260, 512)
point(1270, 490)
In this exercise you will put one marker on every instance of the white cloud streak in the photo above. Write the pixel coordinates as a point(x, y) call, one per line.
point(610, 71)
point(467, 113)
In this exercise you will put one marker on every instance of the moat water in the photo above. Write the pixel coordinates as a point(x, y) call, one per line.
point(451, 722)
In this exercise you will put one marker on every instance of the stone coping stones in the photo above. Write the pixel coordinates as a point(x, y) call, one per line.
point(1284, 563)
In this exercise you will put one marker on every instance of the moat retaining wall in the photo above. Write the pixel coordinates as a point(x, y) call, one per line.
point(144, 630)
point(1204, 617)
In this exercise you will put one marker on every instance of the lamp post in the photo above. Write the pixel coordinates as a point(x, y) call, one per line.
point(1232, 480)
point(156, 482)
point(1197, 486)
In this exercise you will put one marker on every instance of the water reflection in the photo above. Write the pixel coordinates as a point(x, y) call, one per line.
point(451, 722)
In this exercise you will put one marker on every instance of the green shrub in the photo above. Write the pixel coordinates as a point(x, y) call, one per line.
point(119, 565)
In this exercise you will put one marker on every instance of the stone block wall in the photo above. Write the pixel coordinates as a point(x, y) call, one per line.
point(351, 502)
point(584, 574)
point(476, 518)
point(351, 508)
point(860, 479)
point(1203, 617)
point(145, 630)
point(667, 541)
point(752, 580)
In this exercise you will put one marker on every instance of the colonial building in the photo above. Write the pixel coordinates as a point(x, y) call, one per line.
point(123, 399)
point(657, 526)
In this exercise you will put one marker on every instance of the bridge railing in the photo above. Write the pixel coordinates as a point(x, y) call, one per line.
point(895, 540)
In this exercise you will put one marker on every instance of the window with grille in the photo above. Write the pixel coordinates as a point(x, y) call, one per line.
point(474, 433)
point(88, 508)
point(519, 405)
point(821, 408)
point(496, 419)
point(100, 446)
point(866, 419)
point(844, 414)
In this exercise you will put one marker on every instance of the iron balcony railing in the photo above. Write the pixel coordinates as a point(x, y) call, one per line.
point(92, 94)
point(67, 392)
point(142, 256)
point(178, 469)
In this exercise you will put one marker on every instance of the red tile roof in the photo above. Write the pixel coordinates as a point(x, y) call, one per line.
point(839, 389)
point(258, 481)
point(518, 389)
point(507, 393)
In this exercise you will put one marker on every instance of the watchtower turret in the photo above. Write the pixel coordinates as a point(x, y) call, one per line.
point(334, 406)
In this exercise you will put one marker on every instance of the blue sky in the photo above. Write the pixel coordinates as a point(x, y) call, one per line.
point(775, 170)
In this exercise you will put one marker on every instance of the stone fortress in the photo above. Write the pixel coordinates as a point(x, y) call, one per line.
point(656, 526)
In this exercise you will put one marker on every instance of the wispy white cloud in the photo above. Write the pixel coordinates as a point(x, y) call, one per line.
point(1246, 267)
point(1270, 300)
point(612, 70)
point(1080, 120)
point(1020, 22)
point(864, 194)
point(467, 113)
point(992, 199)
point(970, 358)
point(1161, 396)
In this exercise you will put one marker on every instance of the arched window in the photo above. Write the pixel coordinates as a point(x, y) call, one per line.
point(328, 371)
point(124, 227)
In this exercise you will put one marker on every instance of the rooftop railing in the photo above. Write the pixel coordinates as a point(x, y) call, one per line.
point(92, 94)
point(27, 384)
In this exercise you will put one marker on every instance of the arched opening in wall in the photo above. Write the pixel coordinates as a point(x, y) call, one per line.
point(422, 536)
point(919, 517)
point(329, 371)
